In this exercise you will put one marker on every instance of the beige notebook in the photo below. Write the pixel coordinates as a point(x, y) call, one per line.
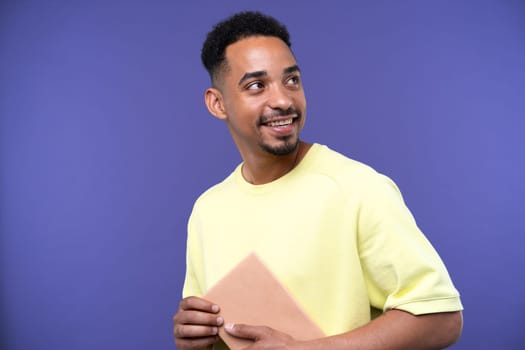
point(251, 294)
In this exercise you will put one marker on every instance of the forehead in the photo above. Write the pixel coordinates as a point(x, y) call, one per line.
point(259, 53)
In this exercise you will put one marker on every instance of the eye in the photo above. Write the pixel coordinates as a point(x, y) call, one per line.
point(293, 81)
point(256, 85)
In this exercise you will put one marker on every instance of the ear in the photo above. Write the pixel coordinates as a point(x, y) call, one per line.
point(215, 103)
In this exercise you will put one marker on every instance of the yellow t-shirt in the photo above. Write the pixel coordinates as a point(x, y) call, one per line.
point(336, 233)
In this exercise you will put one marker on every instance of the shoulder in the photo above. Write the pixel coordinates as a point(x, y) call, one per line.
point(217, 192)
point(347, 173)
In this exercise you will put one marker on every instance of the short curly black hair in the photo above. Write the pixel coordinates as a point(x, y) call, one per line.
point(234, 28)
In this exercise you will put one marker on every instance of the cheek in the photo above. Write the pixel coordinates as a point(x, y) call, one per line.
point(300, 98)
point(303, 102)
point(245, 110)
point(251, 106)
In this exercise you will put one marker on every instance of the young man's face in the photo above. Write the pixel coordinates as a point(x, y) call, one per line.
point(263, 95)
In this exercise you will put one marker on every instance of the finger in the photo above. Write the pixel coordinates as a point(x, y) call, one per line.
point(196, 303)
point(246, 331)
point(197, 318)
point(195, 343)
point(194, 331)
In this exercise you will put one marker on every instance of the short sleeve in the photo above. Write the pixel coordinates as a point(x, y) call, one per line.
point(402, 270)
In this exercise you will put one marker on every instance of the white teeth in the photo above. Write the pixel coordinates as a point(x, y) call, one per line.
point(281, 122)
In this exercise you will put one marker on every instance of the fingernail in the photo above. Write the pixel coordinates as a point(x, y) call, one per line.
point(215, 308)
point(229, 326)
point(219, 321)
point(214, 330)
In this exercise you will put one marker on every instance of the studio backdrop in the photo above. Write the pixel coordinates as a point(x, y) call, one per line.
point(105, 143)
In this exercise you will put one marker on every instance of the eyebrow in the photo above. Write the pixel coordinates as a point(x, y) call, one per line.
point(292, 69)
point(262, 73)
point(250, 75)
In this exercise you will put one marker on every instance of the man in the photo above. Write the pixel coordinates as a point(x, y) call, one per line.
point(333, 230)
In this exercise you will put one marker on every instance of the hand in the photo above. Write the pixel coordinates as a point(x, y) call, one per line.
point(195, 325)
point(263, 337)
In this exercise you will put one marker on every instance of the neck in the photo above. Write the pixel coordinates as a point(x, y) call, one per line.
point(260, 170)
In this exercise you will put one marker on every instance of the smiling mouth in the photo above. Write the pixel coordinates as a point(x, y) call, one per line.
point(280, 122)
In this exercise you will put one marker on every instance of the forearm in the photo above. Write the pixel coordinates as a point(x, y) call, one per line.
point(398, 330)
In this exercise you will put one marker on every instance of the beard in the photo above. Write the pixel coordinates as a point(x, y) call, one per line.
point(288, 146)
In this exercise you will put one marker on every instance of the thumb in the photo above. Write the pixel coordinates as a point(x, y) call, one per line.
point(246, 331)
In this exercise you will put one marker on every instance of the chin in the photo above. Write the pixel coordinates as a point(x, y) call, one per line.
point(282, 148)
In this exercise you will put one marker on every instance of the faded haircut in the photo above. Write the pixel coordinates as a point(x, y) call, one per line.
point(239, 26)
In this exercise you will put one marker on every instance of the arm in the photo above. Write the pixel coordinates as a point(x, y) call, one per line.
point(397, 329)
point(195, 324)
point(393, 330)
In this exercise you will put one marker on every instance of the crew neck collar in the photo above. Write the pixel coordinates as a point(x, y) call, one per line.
point(239, 179)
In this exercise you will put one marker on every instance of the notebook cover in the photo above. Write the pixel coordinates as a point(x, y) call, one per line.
point(251, 294)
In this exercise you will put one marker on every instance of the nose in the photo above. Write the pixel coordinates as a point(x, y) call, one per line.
point(279, 97)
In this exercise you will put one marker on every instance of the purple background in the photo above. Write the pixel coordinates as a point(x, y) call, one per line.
point(105, 143)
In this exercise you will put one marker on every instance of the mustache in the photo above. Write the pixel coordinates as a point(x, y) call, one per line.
point(278, 112)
